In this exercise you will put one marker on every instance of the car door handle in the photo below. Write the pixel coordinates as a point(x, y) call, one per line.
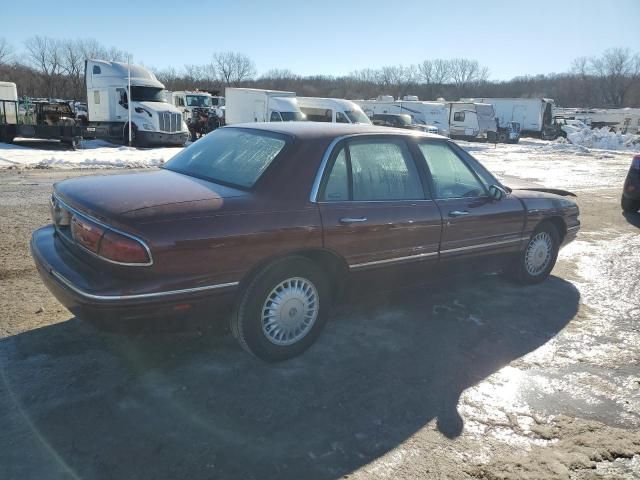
point(353, 220)
point(458, 213)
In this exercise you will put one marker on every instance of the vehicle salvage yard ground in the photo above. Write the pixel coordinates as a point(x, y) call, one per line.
point(482, 380)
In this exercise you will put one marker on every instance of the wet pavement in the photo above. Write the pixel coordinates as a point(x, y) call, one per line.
point(478, 379)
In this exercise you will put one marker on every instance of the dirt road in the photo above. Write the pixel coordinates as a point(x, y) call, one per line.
point(481, 380)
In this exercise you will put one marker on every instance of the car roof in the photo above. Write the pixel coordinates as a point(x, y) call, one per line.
point(320, 130)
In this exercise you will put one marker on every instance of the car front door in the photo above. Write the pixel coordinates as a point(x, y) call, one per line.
point(473, 222)
point(373, 204)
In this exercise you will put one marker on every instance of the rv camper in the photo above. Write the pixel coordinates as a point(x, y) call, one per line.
point(535, 115)
point(246, 105)
point(434, 114)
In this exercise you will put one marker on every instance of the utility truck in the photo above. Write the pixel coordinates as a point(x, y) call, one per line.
point(535, 115)
point(153, 120)
point(335, 110)
point(247, 105)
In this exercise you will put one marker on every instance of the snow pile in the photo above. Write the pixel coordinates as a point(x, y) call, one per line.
point(602, 138)
point(91, 154)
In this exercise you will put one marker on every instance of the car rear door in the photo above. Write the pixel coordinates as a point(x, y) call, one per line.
point(373, 204)
point(473, 222)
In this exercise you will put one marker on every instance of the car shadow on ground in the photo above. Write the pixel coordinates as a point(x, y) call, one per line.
point(632, 218)
point(78, 403)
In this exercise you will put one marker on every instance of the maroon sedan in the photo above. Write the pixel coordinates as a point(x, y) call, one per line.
point(267, 220)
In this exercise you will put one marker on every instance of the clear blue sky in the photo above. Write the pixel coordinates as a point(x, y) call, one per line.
point(338, 36)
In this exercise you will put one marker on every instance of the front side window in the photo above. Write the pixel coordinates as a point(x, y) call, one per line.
point(357, 116)
point(452, 178)
point(96, 70)
point(383, 170)
point(341, 118)
point(231, 156)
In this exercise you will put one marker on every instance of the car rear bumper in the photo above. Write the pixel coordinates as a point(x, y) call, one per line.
point(94, 294)
point(160, 138)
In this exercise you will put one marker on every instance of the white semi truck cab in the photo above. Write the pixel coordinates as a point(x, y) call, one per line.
point(154, 121)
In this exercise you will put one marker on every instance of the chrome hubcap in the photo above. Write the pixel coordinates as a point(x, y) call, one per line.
point(290, 311)
point(538, 253)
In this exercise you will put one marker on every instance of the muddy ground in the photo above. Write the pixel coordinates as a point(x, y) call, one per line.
point(478, 380)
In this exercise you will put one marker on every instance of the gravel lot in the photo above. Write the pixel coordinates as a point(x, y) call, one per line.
point(478, 380)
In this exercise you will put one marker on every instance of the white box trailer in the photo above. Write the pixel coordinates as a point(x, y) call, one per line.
point(535, 115)
point(247, 105)
point(335, 110)
point(154, 121)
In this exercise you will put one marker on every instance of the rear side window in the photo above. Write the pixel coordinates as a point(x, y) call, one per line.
point(229, 156)
point(373, 170)
point(383, 170)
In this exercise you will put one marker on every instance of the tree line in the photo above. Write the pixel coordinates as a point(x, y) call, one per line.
point(54, 68)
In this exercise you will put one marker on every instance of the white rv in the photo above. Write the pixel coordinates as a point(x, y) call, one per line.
point(154, 121)
point(334, 110)
point(471, 120)
point(434, 114)
point(246, 105)
point(535, 115)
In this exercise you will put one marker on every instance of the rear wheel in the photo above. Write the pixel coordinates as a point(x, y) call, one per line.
point(629, 205)
point(282, 310)
point(535, 263)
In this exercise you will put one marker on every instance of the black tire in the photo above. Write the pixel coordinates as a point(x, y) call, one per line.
point(519, 271)
point(247, 319)
point(629, 205)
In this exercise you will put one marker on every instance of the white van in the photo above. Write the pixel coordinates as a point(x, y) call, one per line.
point(333, 110)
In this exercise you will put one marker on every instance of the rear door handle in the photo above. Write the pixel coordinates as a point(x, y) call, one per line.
point(353, 220)
point(458, 213)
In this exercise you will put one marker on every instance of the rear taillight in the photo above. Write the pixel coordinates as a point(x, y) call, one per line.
point(635, 163)
point(108, 244)
point(86, 233)
point(120, 248)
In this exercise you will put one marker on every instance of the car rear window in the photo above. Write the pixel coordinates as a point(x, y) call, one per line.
point(232, 156)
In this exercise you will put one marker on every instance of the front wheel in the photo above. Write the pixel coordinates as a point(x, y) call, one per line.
point(535, 263)
point(629, 205)
point(282, 310)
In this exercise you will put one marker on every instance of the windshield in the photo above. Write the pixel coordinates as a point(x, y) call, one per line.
point(230, 156)
point(293, 116)
point(147, 94)
point(198, 101)
point(403, 119)
point(357, 116)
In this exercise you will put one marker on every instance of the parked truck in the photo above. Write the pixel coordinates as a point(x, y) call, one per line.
point(247, 105)
point(535, 115)
point(153, 120)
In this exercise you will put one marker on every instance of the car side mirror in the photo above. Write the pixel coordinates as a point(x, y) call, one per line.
point(497, 193)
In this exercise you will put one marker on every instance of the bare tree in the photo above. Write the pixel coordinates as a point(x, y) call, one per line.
point(72, 64)
point(233, 67)
point(44, 54)
point(465, 72)
point(617, 70)
point(6, 51)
